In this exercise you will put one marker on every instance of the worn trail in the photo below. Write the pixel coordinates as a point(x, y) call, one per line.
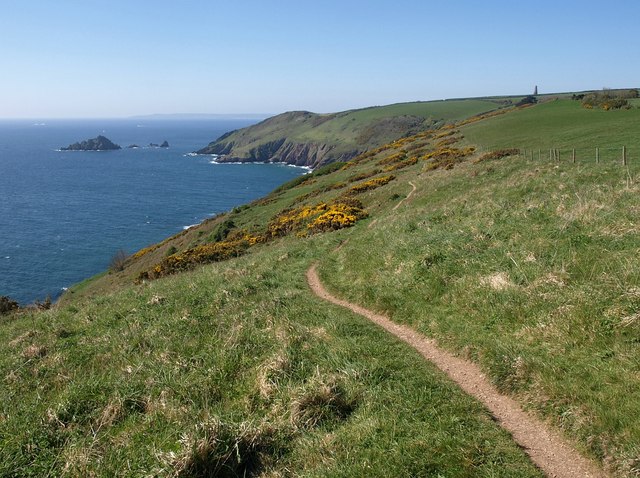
point(546, 448)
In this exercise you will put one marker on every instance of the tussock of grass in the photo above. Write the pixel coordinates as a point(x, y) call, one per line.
point(320, 401)
point(222, 450)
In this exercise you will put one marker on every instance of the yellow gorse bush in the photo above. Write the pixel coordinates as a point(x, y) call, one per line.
point(341, 214)
point(402, 164)
point(181, 261)
point(292, 219)
point(370, 184)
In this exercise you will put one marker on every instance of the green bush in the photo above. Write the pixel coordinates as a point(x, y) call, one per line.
point(7, 305)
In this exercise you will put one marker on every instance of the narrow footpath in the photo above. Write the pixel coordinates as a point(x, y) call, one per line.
point(546, 448)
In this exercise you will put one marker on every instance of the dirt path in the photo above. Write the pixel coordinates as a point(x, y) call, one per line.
point(408, 196)
point(547, 449)
point(373, 223)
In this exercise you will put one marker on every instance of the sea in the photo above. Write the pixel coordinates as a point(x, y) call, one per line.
point(64, 214)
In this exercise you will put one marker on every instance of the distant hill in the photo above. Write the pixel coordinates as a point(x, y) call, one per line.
point(203, 116)
point(303, 138)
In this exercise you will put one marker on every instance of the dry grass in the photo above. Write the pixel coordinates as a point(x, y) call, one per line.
point(497, 281)
point(322, 399)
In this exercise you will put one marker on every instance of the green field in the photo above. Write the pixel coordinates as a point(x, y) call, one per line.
point(528, 268)
point(562, 124)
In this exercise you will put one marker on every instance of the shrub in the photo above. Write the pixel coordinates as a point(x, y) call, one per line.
point(7, 305)
point(363, 175)
point(172, 250)
point(394, 158)
point(446, 157)
point(498, 154)
point(146, 250)
point(605, 100)
point(223, 230)
point(203, 254)
point(370, 184)
point(340, 214)
point(403, 164)
point(45, 304)
point(119, 261)
point(448, 141)
point(291, 220)
point(447, 132)
point(527, 100)
point(328, 169)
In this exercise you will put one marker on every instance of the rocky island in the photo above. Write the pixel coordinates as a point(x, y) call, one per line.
point(99, 143)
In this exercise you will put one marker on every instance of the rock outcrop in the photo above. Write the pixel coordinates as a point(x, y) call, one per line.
point(282, 151)
point(99, 143)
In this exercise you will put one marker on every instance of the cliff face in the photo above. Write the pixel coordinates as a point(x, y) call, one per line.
point(281, 151)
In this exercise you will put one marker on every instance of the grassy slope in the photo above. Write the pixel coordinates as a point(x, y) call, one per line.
point(348, 130)
point(561, 124)
point(527, 268)
point(129, 384)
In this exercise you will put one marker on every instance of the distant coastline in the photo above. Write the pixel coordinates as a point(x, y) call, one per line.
point(202, 116)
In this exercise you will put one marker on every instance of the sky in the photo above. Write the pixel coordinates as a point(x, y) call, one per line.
point(118, 58)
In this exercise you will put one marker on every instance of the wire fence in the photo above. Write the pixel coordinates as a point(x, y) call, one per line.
point(617, 155)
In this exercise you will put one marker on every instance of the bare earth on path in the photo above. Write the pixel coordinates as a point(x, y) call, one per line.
point(408, 196)
point(547, 449)
point(373, 223)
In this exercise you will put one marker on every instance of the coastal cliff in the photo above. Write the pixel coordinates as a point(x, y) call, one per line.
point(303, 138)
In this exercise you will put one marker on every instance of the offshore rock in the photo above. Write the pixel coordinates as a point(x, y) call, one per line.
point(100, 143)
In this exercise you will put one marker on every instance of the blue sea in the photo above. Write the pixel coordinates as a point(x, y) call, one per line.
point(64, 214)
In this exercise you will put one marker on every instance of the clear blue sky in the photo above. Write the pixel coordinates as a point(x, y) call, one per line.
point(95, 58)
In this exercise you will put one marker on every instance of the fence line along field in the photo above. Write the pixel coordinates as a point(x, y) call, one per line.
point(621, 154)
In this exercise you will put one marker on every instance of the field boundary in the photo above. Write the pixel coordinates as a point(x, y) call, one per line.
point(619, 155)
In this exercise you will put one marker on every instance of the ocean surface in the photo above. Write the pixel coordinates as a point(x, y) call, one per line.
point(64, 214)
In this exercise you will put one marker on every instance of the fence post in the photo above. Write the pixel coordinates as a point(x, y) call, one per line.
point(558, 154)
point(573, 155)
point(624, 155)
point(539, 157)
point(597, 155)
